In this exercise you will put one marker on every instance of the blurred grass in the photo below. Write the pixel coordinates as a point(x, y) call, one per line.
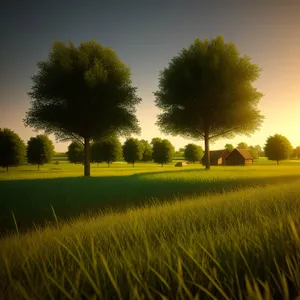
point(238, 245)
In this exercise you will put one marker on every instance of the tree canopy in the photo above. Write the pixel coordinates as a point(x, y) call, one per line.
point(296, 152)
point(163, 151)
point(12, 149)
point(242, 145)
point(75, 152)
point(206, 93)
point(40, 150)
point(278, 148)
point(108, 150)
point(193, 152)
point(147, 152)
point(253, 151)
point(133, 150)
point(84, 93)
point(229, 147)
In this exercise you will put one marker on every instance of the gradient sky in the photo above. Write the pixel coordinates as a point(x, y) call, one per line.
point(146, 35)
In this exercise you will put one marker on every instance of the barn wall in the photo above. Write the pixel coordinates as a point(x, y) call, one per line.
point(224, 157)
point(235, 159)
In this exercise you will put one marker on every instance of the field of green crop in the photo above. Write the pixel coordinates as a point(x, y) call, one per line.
point(150, 233)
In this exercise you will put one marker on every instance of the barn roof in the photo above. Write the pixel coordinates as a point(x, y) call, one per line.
point(244, 153)
point(216, 154)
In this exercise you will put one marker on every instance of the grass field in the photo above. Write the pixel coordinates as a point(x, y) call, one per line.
point(151, 232)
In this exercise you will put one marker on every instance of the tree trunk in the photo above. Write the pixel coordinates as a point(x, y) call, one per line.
point(38, 167)
point(207, 158)
point(277, 162)
point(133, 164)
point(7, 169)
point(162, 165)
point(108, 164)
point(87, 157)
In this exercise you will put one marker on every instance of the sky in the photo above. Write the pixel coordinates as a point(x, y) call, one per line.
point(146, 35)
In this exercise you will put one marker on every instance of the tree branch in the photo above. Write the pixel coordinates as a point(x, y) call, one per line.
point(223, 132)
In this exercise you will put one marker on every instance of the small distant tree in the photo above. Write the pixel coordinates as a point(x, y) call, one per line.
point(75, 152)
point(96, 156)
point(229, 147)
point(163, 151)
point(40, 150)
point(147, 153)
point(278, 148)
point(296, 152)
point(132, 150)
point(12, 149)
point(260, 151)
point(253, 151)
point(193, 152)
point(108, 150)
point(242, 145)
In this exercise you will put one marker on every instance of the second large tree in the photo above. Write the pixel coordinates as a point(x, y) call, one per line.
point(206, 93)
point(84, 93)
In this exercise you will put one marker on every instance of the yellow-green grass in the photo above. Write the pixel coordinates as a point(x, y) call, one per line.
point(239, 245)
point(27, 194)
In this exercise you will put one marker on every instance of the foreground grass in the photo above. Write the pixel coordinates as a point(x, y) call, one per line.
point(240, 245)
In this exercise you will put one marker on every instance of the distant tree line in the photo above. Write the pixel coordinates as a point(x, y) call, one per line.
point(13, 151)
point(161, 151)
point(40, 150)
point(255, 151)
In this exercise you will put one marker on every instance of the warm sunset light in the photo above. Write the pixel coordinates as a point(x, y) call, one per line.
point(150, 150)
point(268, 33)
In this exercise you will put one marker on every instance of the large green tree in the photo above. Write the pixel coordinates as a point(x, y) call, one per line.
point(12, 149)
point(163, 151)
point(84, 93)
point(40, 150)
point(278, 148)
point(133, 150)
point(206, 93)
point(193, 152)
point(107, 150)
point(147, 152)
point(75, 152)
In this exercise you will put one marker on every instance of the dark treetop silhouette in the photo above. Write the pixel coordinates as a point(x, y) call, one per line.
point(75, 152)
point(40, 150)
point(12, 149)
point(133, 150)
point(83, 93)
point(206, 93)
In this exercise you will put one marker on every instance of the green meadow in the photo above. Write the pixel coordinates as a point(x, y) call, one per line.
point(149, 232)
